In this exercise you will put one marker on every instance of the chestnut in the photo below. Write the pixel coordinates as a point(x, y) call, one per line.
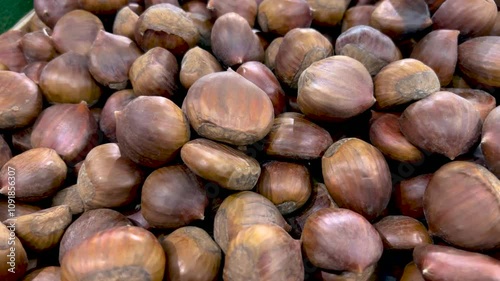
point(245, 8)
point(462, 207)
point(226, 107)
point(110, 58)
point(191, 255)
point(172, 197)
point(404, 81)
point(233, 41)
point(241, 210)
point(300, 48)
point(402, 233)
point(489, 141)
point(38, 46)
point(21, 209)
point(295, 137)
point(224, 165)
point(107, 179)
point(357, 15)
point(482, 101)
point(125, 22)
point(369, 46)
point(151, 130)
point(478, 58)
point(442, 123)
point(409, 195)
point(195, 64)
point(335, 89)
point(69, 196)
point(69, 129)
point(76, 31)
point(328, 13)
point(155, 73)
point(88, 224)
point(20, 100)
point(66, 79)
point(166, 26)
point(261, 242)
point(357, 176)
point(109, 7)
point(21, 139)
point(50, 11)
point(35, 175)
point(11, 52)
point(204, 25)
point(271, 53)
point(287, 185)
point(34, 70)
point(13, 257)
point(115, 253)
point(49, 273)
point(116, 102)
point(149, 3)
point(281, 16)
point(328, 243)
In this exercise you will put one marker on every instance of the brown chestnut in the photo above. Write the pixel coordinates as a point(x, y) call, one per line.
point(13, 257)
point(489, 141)
point(482, 101)
point(34, 70)
point(272, 51)
point(172, 197)
point(328, 13)
point(462, 206)
point(412, 273)
point(50, 11)
point(151, 130)
point(38, 46)
point(442, 123)
point(21, 139)
point(328, 241)
point(281, 16)
point(195, 64)
point(49, 273)
point(245, 8)
point(409, 195)
point(109, 7)
point(125, 22)
point(357, 15)
point(402, 233)
point(21, 209)
point(69, 196)
point(11, 52)
point(116, 102)
point(478, 59)
point(357, 176)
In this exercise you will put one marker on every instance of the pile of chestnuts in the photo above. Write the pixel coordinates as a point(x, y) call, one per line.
point(251, 140)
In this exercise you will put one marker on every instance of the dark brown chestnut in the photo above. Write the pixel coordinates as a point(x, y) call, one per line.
point(20, 100)
point(369, 46)
point(114, 253)
point(76, 31)
point(66, 79)
point(245, 8)
point(172, 197)
point(155, 73)
point(233, 41)
point(442, 123)
point(328, 243)
point(116, 102)
point(447, 263)
point(88, 224)
point(263, 77)
point(357, 15)
point(295, 137)
point(38, 46)
point(335, 89)
point(482, 101)
point(195, 64)
point(21, 139)
point(222, 164)
point(357, 176)
point(241, 210)
point(287, 185)
point(478, 59)
point(300, 48)
point(151, 130)
point(33, 175)
point(489, 141)
point(462, 206)
point(167, 26)
point(69, 129)
point(409, 195)
point(226, 107)
point(402, 233)
point(110, 58)
point(281, 16)
point(50, 11)
point(107, 179)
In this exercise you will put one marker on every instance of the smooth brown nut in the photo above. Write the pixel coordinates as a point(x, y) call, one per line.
point(195, 64)
point(478, 59)
point(489, 141)
point(281, 16)
point(357, 15)
point(409, 195)
point(402, 233)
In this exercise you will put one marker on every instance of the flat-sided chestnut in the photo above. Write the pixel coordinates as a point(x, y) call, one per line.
point(125, 22)
point(195, 64)
point(11, 52)
point(409, 195)
point(69, 196)
point(357, 15)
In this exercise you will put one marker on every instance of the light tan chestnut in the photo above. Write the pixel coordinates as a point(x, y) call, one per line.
point(357, 176)
point(13, 264)
point(151, 130)
point(300, 48)
point(233, 41)
point(287, 185)
point(125, 22)
point(281, 16)
point(445, 62)
point(195, 64)
point(335, 89)
point(107, 179)
point(125, 252)
point(226, 107)
point(253, 245)
point(222, 164)
point(462, 206)
point(191, 255)
point(489, 141)
point(241, 210)
point(44, 229)
point(442, 123)
point(369, 46)
point(404, 81)
point(35, 175)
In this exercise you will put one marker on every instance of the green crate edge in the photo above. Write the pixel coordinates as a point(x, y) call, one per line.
point(11, 12)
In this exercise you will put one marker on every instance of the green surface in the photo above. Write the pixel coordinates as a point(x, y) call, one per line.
point(11, 11)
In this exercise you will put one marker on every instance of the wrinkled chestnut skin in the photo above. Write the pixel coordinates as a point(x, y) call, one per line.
point(281, 16)
point(357, 176)
point(446, 263)
point(402, 233)
point(328, 243)
point(489, 141)
point(462, 206)
point(442, 123)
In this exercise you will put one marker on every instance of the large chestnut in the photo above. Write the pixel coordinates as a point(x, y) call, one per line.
point(38, 46)
point(195, 64)
point(245, 8)
point(481, 100)
point(402, 233)
point(281, 16)
point(489, 141)
point(478, 59)
point(50, 11)
point(357, 15)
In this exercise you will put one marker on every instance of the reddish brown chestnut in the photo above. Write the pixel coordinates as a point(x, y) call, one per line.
point(38, 46)
point(50, 11)
point(245, 8)
point(409, 195)
point(357, 15)
point(478, 59)
point(281, 16)
point(402, 233)
point(272, 52)
point(11, 52)
point(482, 101)
point(489, 141)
